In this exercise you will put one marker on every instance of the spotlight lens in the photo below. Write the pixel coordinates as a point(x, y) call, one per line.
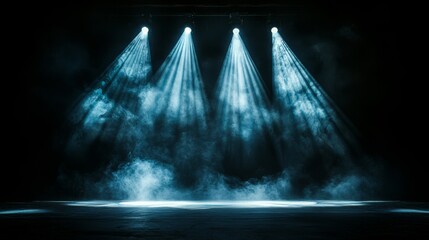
point(235, 31)
point(274, 30)
point(145, 30)
point(188, 30)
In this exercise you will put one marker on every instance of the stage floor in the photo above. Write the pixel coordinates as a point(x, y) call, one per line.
point(214, 220)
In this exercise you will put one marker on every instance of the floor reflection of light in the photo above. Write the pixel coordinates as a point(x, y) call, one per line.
point(92, 204)
point(23, 211)
point(402, 210)
point(217, 204)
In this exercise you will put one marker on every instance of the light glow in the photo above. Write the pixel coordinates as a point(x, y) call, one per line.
point(145, 30)
point(274, 30)
point(188, 30)
point(236, 31)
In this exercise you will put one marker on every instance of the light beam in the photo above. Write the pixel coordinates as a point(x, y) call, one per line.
point(313, 127)
point(181, 100)
point(111, 110)
point(243, 116)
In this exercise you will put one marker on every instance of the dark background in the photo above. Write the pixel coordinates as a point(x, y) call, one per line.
point(362, 54)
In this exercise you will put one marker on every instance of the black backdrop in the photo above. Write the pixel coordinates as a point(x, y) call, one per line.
point(363, 56)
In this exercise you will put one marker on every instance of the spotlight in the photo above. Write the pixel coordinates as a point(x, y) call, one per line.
point(188, 30)
point(274, 30)
point(235, 31)
point(145, 30)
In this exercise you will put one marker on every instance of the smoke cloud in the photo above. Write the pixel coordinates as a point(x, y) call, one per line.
point(140, 179)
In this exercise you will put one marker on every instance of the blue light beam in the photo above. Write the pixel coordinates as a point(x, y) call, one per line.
point(311, 122)
point(243, 105)
point(111, 108)
point(178, 98)
point(243, 117)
